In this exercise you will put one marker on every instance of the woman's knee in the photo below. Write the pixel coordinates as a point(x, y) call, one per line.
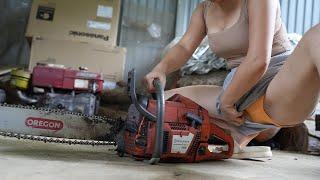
point(316, 28)
point(312, 37)
point(309, 45)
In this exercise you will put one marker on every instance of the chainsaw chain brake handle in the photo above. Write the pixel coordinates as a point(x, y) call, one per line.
point(159, 119)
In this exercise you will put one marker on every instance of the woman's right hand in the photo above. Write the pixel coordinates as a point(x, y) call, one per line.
point(155, 74)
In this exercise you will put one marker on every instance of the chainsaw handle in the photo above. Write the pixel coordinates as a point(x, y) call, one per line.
point(133, 96)
point(159, 125)
point(159, 119)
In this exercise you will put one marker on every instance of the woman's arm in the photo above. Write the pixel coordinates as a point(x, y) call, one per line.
point(182, 51)
point(262, 19)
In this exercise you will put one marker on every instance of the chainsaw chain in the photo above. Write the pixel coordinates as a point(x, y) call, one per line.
point(115, 123)
point(56, 140)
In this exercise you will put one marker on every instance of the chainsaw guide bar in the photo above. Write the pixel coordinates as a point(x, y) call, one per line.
point(57, 126)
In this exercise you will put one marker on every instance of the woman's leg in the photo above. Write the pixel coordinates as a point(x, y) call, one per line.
point(293, 93)
point(206, 96)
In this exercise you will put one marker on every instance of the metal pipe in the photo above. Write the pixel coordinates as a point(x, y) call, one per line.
point(25, 98)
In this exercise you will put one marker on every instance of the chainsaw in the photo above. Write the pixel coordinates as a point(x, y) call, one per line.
point(176, 130)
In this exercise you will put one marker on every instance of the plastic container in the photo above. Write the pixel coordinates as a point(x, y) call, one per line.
point(20, 79)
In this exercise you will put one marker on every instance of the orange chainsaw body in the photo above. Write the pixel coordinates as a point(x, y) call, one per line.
point(189, 134)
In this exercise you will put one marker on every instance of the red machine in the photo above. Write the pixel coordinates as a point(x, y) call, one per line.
point(57, 87)
point(53, 76)
point(181, 132)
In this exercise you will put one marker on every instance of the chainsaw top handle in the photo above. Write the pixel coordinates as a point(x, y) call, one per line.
point(133, 95)
point(159, 119)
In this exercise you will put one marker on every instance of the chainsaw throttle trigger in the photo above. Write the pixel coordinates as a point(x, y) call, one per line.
point(194, 119)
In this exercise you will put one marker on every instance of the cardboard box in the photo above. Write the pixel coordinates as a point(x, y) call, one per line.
point(110, 61)
point(93, 21)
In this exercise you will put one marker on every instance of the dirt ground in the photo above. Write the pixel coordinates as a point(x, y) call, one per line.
point(27, 160)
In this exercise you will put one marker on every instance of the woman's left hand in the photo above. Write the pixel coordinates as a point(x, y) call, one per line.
point(231, 114)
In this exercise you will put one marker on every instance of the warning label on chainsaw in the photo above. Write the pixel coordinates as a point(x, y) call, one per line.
point(180, 144)
point(40, 123)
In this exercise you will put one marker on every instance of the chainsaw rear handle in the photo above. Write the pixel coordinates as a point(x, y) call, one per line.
point(159, 119)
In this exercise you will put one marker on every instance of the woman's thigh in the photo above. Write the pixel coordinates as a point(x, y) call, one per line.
point(293, 93)
point(204, 95)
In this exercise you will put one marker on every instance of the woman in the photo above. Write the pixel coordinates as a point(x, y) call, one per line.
point(269, 87)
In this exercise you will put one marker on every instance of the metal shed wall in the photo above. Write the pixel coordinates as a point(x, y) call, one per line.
point(300, 15)
point(140, 18)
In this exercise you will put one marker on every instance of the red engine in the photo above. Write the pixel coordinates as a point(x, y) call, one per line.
point(57, 87)
point(50, 76)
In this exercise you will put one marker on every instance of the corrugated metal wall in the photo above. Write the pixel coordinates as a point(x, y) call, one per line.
point(298, 15)
point(185, 9)
point(141, 34)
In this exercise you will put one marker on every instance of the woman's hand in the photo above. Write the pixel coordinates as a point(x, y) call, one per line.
point(155, 74)
point(231, 114)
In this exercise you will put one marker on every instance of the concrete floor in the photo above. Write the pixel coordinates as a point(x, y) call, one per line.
point(26, 160)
